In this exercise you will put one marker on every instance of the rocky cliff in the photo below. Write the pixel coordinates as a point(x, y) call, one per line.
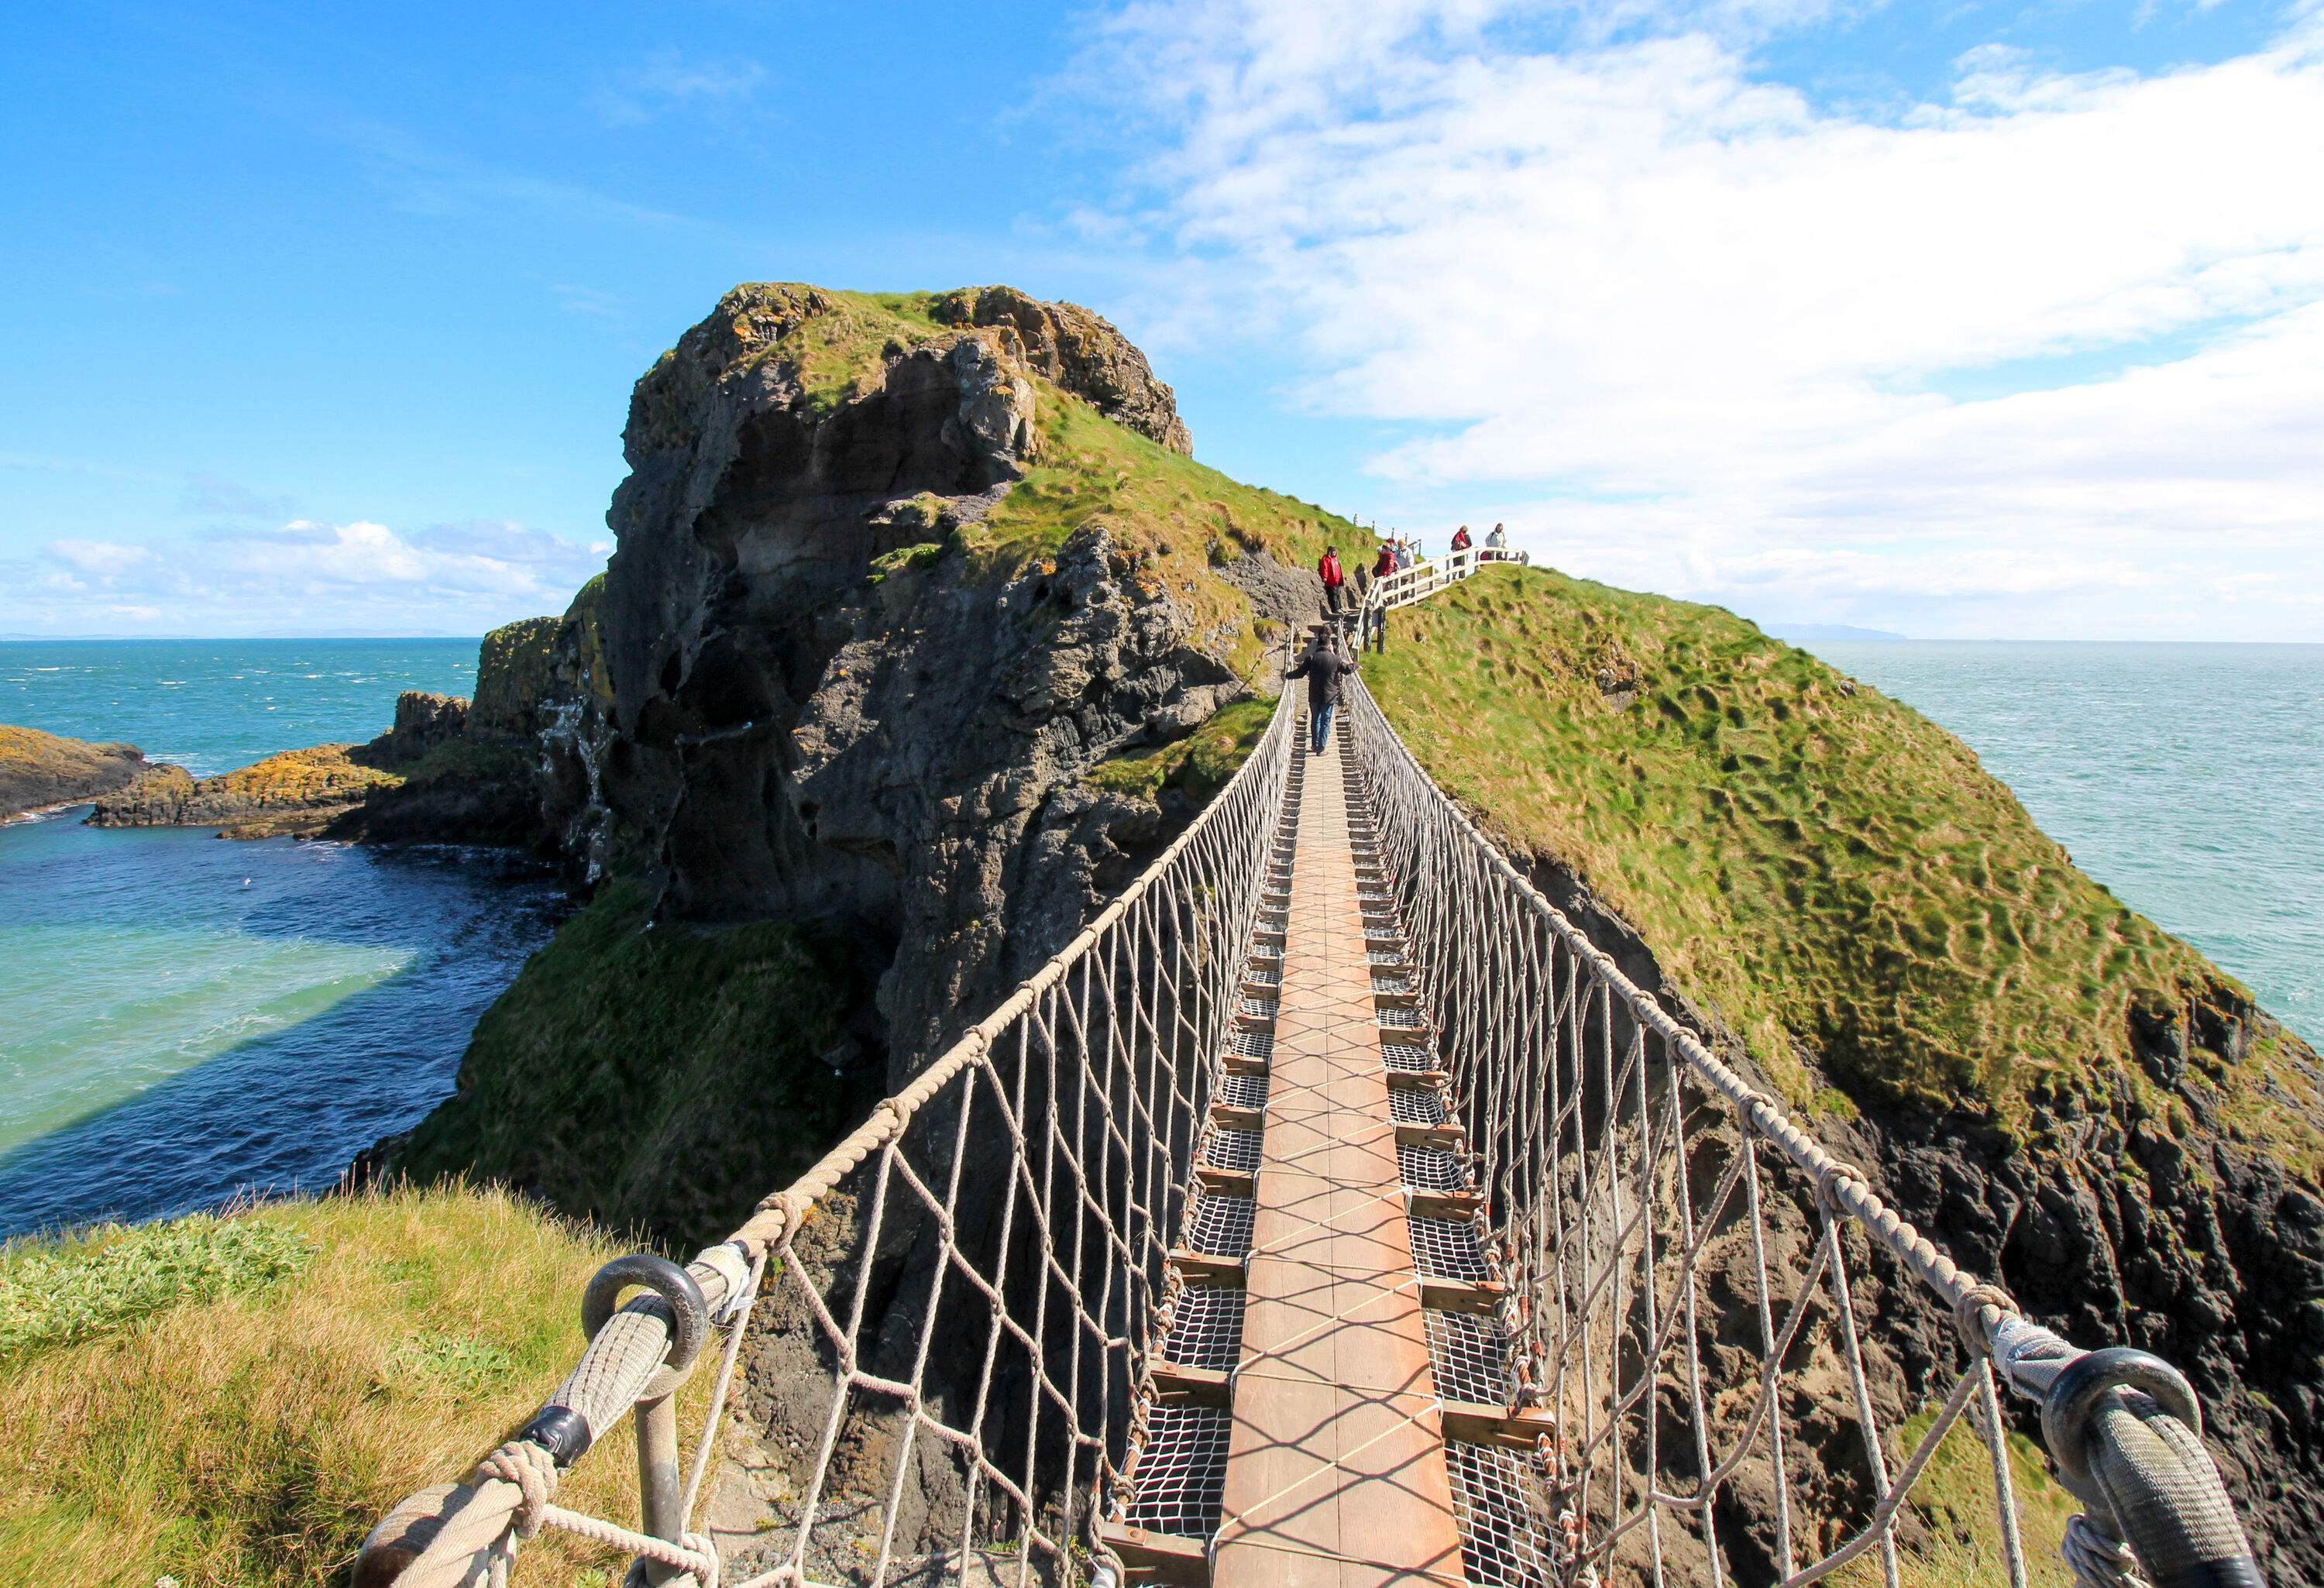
point(894, 577)
point(40, 769)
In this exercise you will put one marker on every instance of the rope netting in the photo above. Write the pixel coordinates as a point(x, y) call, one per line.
point(959, 1298)
point(1684, 1277)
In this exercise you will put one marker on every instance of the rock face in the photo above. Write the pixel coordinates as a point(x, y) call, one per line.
point(1081, 352)
point(297, 793)
point(799, 693)
point(40, 769)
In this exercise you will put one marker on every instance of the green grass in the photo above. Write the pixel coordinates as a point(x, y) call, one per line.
point(1954, 1503)
point(836, 342)
point(92, 1284)
point(1830, 875)
point(1177, 518)
point(1198, 764)
point(233, 1401)
point(658, 1075)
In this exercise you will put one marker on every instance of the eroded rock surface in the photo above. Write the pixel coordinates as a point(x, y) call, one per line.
point(40, 769)
point(796, 694)
point(1083, 353)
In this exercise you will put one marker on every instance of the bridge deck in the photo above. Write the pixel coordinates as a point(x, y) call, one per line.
point(1335, 1469)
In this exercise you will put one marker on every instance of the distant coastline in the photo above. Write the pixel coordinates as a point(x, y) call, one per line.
point(1795, 632)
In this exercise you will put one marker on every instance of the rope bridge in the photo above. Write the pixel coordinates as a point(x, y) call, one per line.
point(1597, 1306)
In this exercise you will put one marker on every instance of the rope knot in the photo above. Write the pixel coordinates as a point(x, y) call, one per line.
point(1981, 1295)
point(529, 1467)
point(792, 1206)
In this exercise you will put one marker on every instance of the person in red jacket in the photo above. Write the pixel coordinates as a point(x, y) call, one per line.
point(1460, 538)
point(1334, 581)
point(1386, 563)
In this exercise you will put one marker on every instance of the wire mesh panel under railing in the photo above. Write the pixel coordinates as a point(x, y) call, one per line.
point(1685, 1283)
point(958, 1300)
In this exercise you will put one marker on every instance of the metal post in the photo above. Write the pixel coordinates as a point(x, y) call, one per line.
point(659, 1495)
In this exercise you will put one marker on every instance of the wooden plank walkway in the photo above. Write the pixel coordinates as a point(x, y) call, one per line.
point(1335, 1471)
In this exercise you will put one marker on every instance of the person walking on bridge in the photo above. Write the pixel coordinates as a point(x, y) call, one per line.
point(1322, 666)
point(1334, 581)
point(1498, 540)
point(1460, 538)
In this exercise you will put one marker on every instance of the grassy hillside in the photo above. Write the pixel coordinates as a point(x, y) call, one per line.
point(657, 1074)
point(1181, 517)
point(1829, 874)
point(233, 1402)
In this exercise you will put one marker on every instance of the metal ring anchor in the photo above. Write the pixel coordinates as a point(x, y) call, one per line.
point(2080, 1385)
point(689, 1312)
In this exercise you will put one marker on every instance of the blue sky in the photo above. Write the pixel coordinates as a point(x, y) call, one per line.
point(1968, 319)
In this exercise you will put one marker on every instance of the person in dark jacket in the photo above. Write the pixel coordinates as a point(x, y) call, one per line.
point(1322, 666)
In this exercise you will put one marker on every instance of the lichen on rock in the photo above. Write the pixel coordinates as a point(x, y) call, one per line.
point(40, 769)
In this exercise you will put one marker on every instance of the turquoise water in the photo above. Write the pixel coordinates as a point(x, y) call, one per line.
point(213, 705)
point(183, 1018)
point(2188, 779)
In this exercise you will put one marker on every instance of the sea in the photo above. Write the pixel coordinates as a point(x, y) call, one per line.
point(184, 1020)
point(2187, 778)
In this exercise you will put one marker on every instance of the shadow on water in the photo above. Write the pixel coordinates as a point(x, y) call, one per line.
point(287, 1109)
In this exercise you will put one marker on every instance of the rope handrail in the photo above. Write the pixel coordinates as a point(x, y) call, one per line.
point(1595, 1115)
point(1095, 1075)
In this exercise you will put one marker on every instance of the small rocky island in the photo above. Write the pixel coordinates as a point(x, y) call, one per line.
point(449, 770)
point(39, 771)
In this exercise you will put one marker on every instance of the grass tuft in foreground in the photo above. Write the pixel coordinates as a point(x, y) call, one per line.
point(234, 1401)
point(105, 1279)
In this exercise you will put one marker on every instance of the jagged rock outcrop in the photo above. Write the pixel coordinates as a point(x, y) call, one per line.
point(1081, 352)
point(40, 769)
point(808, 689)
point(297, 793)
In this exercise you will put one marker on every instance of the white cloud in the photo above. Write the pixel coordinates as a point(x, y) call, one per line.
point(669, 80)
point(303, 576)
point(98, 558)
point(1635, 287)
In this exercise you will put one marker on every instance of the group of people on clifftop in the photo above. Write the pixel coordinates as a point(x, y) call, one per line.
point(1326, 661)
point(1396, 553)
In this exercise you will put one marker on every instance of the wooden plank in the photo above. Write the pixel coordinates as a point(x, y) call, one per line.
point(1335, 1470)
point(1521, 1429)
point(1157, 1557)
point(1201, 1386)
